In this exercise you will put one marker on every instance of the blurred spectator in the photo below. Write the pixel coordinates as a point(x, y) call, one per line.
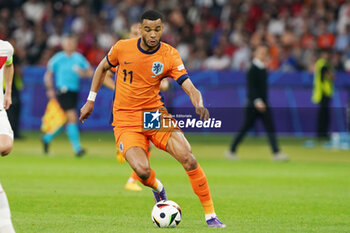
point(241, 57)
point(33, 10)
point(344, 16)
point(95, 54)
point(343, 39)
point(325, 39)
point(23, 34)
point(284, 25)
point(288, 62)
point(336, 61)
point(218, 61)
point(37, 47)
point(323, 92)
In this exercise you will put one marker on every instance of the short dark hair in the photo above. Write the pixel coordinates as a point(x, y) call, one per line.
point(151, 15)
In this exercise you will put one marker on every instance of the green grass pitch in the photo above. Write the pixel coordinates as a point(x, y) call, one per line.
point(61, 193)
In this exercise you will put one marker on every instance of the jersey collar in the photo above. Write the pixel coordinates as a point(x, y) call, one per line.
point(144, 51)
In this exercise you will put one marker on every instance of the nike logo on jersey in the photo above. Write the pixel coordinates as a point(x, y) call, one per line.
point(127, 63)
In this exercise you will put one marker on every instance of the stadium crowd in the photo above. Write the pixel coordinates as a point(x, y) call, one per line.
point(209, 34)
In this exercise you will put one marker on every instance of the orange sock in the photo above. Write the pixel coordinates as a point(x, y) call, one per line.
point(201, 188)
point(150, 181)
point(134, 176)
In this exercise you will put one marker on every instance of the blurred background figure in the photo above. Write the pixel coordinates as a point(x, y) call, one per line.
point(202, 31)
point(323, 90)
point(6, 78)
point(6, 133)
point(14, 112)
point(218, 35)
point(67, 67)
point(257, 106)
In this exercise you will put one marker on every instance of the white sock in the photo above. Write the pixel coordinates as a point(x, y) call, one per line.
point(131, 180)
point(160, 186)
point(5, 215)
point(209, 216)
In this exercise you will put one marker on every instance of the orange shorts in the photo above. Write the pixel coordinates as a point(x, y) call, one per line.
point(131, 136)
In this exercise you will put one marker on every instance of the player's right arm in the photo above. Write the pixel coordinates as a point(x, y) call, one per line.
point(96, 84)
point(8, 77)
point(8, 74)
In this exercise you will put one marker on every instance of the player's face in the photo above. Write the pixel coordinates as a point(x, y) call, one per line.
point(151, 32)
point(69, 44)
point(262, 53)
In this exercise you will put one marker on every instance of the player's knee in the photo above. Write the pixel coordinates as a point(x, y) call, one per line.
point(189, 162)
point(143, 172)
point(6, 148)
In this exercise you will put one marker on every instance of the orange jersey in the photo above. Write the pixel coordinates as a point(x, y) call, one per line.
point(139, 75)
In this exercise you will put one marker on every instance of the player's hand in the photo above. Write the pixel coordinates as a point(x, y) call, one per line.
point(260, 106)
point(78, 70)
point(50, 93)
point(7, 100)
point(203, 113)
point(86, 110)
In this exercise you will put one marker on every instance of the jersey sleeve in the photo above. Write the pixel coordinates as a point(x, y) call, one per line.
point(177, 69)
point(112, 56)
point(9, 54)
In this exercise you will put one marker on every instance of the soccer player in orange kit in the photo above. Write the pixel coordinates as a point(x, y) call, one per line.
point(142, 63)
point(131, 183)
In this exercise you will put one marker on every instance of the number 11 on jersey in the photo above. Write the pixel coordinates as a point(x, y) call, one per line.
point(125, 74)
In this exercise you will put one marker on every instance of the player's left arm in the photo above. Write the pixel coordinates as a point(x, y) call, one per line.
point(109, 82)
point(8, 77)
point(179, 73)
point(196, 99)
point(164, 85)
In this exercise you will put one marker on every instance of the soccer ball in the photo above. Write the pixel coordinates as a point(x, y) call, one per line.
point(166, 214)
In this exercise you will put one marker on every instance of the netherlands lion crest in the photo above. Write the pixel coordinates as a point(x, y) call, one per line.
point(157, 68)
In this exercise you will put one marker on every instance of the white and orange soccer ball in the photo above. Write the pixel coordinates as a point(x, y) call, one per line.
point(166, 214)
